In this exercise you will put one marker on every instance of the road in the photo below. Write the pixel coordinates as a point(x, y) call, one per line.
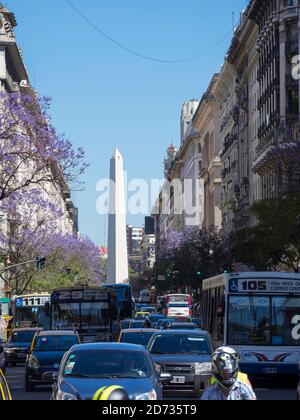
point(15, 377)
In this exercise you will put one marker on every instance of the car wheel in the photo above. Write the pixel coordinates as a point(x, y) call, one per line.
point(29, 386)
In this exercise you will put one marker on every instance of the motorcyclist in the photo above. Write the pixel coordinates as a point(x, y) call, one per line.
point(242, 377)
point(111, 393)
point(227, 386)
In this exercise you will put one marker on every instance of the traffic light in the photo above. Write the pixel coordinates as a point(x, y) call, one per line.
point(40, 263)
point(199, 273)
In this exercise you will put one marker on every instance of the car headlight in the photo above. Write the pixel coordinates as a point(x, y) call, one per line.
point(147, 396)
point(64, 396)
point(203, 369)
point(157, 368)
point(33, 363)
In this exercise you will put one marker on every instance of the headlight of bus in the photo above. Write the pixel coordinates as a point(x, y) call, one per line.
point(203, 369)
point(147, 396)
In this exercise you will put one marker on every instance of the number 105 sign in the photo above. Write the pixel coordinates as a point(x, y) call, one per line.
point(263, 286)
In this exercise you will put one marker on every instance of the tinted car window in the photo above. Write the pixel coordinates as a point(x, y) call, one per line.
point(22, 336)
point(137, 324)
point(55, 343)
point(179, 344)
point(107, 364)
point(141, 338)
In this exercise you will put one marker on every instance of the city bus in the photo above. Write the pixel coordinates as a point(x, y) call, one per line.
point(258, 314)
point(179, 305)
point(91, 311)
point(31, 310)
point(125, 301)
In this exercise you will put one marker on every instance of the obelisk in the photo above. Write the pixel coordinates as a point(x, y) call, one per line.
point(117, 236)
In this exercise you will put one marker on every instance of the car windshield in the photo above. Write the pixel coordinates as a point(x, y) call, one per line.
point(180, 344)
point(22, 336)
point(107, 364)
point(141, 338)
point(137, 324)
point(55, 342)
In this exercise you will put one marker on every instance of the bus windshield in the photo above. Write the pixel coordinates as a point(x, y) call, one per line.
point(34, 316)
point(263, 320)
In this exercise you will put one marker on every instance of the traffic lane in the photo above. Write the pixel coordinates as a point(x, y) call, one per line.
point(264, 394)
point(16, 380)
point(271, 389)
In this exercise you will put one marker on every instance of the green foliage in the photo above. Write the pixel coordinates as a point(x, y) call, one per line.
point(275, 240)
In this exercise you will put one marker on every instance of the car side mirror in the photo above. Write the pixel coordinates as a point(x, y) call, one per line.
point(50, 376)
point(165, 378)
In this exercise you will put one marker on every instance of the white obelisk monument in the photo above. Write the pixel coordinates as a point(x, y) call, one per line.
point(117, 235)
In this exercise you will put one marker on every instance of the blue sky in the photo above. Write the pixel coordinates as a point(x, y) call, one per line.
point(103, 96)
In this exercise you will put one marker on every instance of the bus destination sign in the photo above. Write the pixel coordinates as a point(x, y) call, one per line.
point(264, 286)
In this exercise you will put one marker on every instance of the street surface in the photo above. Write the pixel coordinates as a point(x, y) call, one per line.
point(15, 377)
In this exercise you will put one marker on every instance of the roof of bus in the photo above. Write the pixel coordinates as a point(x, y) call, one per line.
point(222, 279)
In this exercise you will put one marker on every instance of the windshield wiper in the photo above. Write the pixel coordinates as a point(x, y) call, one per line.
point(79, 375)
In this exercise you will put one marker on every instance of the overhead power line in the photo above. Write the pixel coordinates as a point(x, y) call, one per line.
point(138, 54)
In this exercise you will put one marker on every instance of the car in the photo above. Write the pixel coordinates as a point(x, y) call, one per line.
point(137, 324)
point(150, 309)
point(136, 336)
point(2, 357)
point(187, 356)
point(45, 355)
point(181, 326)
point(18, 345)
point(88, 367)
point(164, 324)
point(5, 394)
point(142, 315)
point(155, 318)
point(125, 324)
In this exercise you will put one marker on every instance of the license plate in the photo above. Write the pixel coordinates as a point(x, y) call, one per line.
point(178, 380)
point(270, 371)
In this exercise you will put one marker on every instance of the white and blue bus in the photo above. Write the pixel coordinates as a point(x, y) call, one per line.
point(258, 314)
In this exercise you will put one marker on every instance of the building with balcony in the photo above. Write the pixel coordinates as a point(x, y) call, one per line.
point(278, 98)
point(14, 78)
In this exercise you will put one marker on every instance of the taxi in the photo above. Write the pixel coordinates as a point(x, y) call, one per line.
point(142, 315)
point(5, 394)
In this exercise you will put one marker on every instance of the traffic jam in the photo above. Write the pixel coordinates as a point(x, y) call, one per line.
point(102, 343)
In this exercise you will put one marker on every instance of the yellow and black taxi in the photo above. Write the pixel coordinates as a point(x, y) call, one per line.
point(4, 389)
point(45, 355)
